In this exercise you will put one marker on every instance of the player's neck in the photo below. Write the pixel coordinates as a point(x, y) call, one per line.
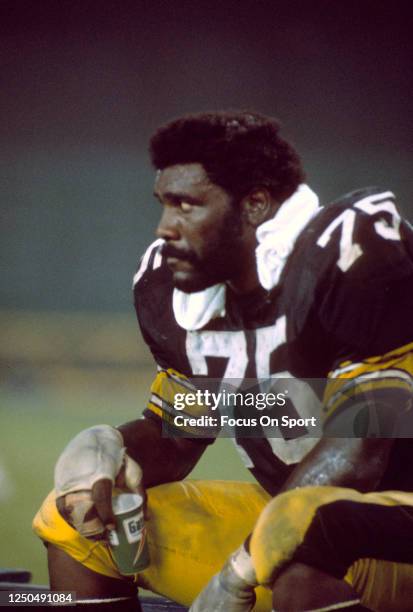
point(245, 276)
point(247, 280)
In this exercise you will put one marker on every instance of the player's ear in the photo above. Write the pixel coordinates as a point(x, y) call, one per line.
point(257, 206)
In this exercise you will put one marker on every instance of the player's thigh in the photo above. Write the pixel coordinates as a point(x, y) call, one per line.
point(193, 526)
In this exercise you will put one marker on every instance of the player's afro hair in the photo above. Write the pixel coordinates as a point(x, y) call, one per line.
point(239, 150)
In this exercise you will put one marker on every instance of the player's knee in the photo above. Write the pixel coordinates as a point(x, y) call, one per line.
point(283, 526)
point(280, 529)
point(67, 574)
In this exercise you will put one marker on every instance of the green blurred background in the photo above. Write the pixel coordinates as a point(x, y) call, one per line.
point(84, 84)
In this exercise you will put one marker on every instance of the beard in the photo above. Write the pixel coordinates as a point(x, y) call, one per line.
point(219, 262)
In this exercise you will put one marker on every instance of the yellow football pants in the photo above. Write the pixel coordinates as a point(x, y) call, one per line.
point(193, 526)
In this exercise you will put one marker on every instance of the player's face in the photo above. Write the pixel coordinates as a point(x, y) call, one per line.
point(201, 226)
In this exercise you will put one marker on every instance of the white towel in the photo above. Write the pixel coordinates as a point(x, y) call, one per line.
point(194, 310)
point(276, 237)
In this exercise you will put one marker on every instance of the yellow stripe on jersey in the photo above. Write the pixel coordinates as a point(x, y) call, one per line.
point(376, 376)
point(400, 357)
point(170, 392)
point(166, 385)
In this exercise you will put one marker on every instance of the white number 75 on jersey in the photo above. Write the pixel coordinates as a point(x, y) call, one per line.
point(350, 251)
point(233, 346)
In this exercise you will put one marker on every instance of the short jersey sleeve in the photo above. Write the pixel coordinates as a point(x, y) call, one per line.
point(175, 401)
point(364, 300)
point(365, 307)
point(150, 290)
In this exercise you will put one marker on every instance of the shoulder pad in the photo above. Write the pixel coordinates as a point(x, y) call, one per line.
point(357, 195)
point(361, 222)
point(151, 260)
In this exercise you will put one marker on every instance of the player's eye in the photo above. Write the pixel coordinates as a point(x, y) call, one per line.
point(185, 206)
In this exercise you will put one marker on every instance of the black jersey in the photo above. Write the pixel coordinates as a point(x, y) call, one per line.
point(341, 308)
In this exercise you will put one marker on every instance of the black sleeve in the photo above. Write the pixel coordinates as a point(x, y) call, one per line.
point(153, 305)
point(365, 306)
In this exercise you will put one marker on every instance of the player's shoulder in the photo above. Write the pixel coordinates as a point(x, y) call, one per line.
point(364, 205)
point(373, 193)
point(153, 290)
point(149, 263)
point(152, 286)
point(356, 236)
point(363, 222)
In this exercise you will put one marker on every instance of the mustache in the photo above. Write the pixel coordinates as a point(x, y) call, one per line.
point(169, 250)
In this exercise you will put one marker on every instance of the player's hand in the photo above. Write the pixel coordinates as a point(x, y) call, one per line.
point(85, 473)
point(232, 589)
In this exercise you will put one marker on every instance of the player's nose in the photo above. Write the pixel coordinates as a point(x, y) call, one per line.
point(168, 225)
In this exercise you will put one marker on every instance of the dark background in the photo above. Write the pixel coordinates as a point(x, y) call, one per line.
point(84, 84)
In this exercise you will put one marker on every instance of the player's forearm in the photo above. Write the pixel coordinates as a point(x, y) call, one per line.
point(161, 459)
point(356, 463)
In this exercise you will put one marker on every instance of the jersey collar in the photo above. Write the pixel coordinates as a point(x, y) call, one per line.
point(276, 240)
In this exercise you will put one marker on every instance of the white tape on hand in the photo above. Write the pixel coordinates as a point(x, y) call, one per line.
point(93, 454)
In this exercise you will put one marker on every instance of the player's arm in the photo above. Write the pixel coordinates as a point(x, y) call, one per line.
point(342, 462)
point(162, 459)
point(139, 454)
point(366, 409)
point(131, 457)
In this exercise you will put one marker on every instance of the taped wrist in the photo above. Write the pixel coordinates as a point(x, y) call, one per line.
point(95, 453)
point(238, 574)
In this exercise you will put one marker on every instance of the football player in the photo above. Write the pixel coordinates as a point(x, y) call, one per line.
point(250, 278)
